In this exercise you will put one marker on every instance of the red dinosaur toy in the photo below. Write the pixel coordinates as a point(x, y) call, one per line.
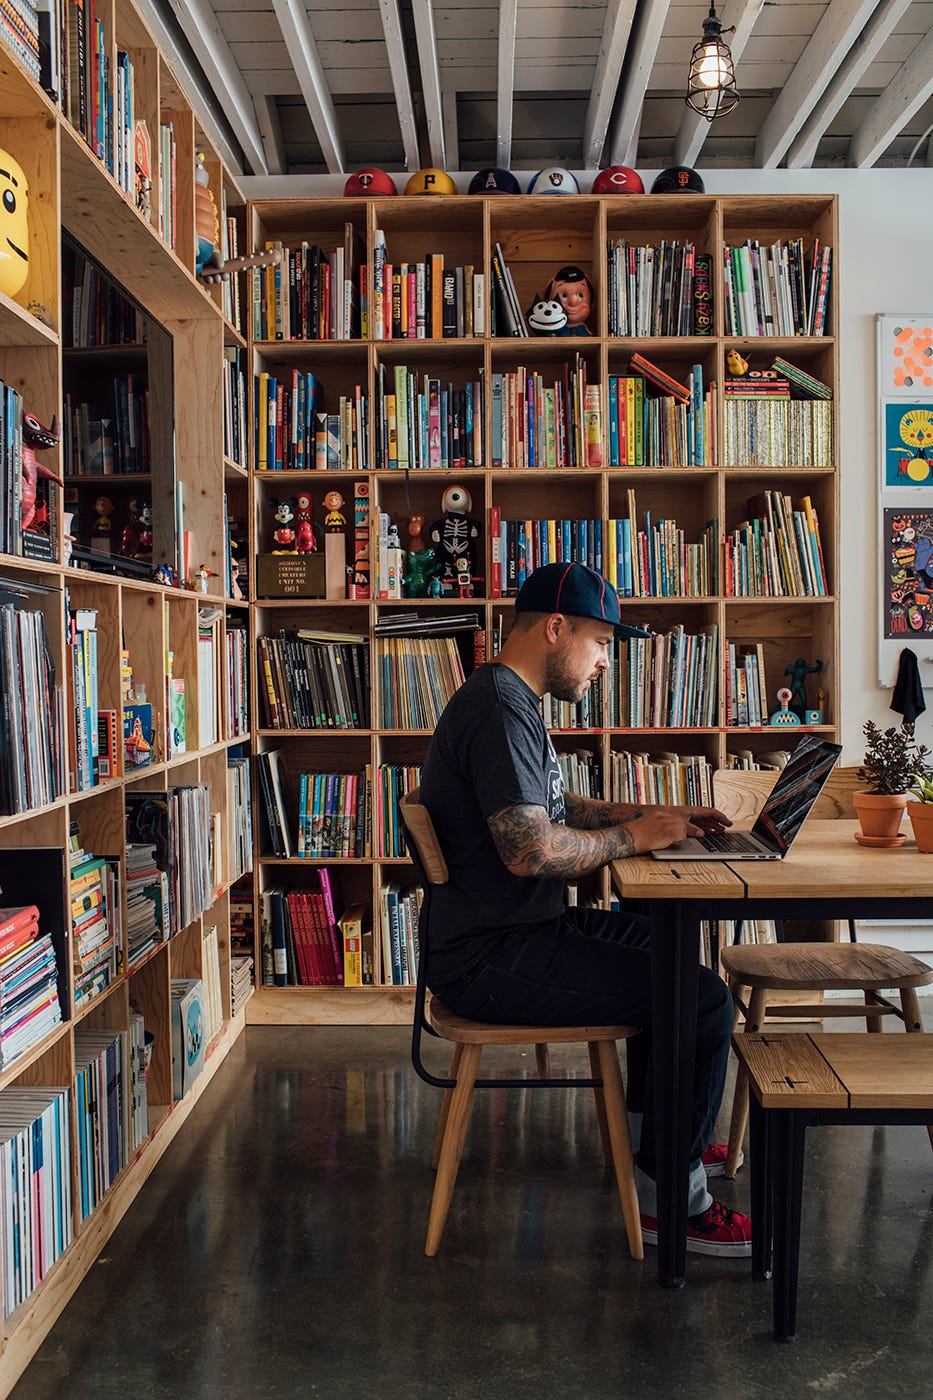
point(35, 435)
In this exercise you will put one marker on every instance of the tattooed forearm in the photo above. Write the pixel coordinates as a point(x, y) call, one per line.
point(532, 845)
point(587, 814)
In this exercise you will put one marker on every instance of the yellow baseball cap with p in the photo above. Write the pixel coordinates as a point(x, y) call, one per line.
point(430, 181)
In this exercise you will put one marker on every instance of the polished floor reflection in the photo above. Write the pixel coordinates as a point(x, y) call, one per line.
point(276, 1254)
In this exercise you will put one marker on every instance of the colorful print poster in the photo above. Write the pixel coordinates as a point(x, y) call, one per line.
point(905, 355)
point(908, 443)
point(908, 572)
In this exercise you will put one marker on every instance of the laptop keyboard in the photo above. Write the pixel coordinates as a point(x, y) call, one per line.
point(728, 841)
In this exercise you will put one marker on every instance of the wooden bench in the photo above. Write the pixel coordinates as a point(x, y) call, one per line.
point(802, 1081)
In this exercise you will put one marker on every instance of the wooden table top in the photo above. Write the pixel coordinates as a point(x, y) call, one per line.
point(847, 1070)
point(825, 862)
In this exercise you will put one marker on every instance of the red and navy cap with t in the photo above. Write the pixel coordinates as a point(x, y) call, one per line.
point(577, 591)
point(369, 180)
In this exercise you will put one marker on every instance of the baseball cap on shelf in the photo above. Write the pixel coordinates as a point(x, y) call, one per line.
point(678, 179)
point(577, 591)
point(430, 181)
point(494, 181)
point(617, 179)
point(554, 179)
point(369, 180)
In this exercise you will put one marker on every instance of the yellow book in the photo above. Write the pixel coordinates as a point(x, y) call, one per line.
point(392, 421)
point(552, 541)
point(610, 555)
point(351, 929)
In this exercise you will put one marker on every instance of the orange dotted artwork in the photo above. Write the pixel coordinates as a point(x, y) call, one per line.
point(907, 355)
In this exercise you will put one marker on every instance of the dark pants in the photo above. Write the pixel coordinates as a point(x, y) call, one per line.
point(591, 967)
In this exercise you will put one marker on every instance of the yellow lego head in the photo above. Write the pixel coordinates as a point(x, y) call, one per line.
point(14, 225)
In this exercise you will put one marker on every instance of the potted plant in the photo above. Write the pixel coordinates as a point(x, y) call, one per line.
point(893, 760)
point(921, 813)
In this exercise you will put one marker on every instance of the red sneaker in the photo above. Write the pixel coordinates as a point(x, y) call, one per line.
point(718, 1230)
point(714, 1159)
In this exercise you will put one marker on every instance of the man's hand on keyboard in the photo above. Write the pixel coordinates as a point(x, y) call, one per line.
point(706, 818)
point(658, 827)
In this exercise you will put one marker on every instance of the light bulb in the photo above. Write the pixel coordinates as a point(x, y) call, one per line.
point(712, 70)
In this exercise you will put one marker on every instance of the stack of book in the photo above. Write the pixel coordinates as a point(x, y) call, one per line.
point(661, 778)
point(425, 300)
point(83, 697)
point(147, 908)
point(398, 911)
point(236, 408)
point(746, 688)
point(665, 682)
point(210, 982)
point(100, 1099)
point(239, 818)
point(29, 973)
point(781, 417)
point(331, 815)
point(418, 676)
point(140, 1042)
point(777, 552)
point(241, 981)
point(97, 921)
point(777, 289)
point(32, 762)
point(508, 319)
point(521, 546)
point(19, 31)
point(237, 679)
point(311, 294)
point(314, 679)
point(35, 1186)
point(178, 821)
point(393, 781)
point(306, 942)
point(657, 562)
point(581, 773)
point(294, 432)
point(555, 426)
point(652, 288)
point(425, 423)
point(584, 714)
point(167, 180)
point(661, 429)
point(93, 311)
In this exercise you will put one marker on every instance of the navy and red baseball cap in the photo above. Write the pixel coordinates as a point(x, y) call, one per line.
point(577, 591)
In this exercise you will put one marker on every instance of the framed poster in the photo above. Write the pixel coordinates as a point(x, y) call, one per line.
point(905, 484)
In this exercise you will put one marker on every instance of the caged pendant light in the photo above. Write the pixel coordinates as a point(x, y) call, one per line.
point(711, 90)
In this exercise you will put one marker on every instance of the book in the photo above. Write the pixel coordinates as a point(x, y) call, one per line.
point(659, 378)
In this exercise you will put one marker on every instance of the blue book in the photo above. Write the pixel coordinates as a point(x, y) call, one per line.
point(279, 947)
point(598, 545)
point(497, 420)
point(468, 422)
point(625, 557)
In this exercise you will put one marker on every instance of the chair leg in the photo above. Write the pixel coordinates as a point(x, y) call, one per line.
point(739, 995)
point(617, 1125)
point(600, 1105)
point(458, 1116)
point(874, 1026)
point(543, 1061)
point(445, 1108)
point(756, 1013)
point(913, 1022)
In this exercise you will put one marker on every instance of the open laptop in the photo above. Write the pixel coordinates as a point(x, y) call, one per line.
point(798, 786)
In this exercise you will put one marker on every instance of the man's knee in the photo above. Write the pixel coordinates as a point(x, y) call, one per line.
point(715, 1013)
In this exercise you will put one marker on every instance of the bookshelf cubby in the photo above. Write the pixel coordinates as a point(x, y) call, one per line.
point(704, 498)
point(83, 209)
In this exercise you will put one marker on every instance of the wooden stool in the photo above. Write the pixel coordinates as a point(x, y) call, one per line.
point(767, 968)
point(801, 1081)
point(469, 1037)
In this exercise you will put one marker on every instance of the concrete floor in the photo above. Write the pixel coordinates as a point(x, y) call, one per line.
point(276, 1254)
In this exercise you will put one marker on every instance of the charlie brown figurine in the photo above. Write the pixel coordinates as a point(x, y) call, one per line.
point(333, 520)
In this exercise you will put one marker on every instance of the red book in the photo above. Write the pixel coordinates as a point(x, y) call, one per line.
point(660, 378)
point(323, 958)
point(495, 551)
point(330, 915)
point(18, 926)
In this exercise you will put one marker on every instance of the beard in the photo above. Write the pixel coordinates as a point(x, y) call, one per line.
point(564, 683)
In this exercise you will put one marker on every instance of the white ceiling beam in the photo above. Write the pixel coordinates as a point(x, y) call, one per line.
point(643, 48)
point(505, 85)
point(802, 152)
point(267, 114)
point(398, 67)
point(302, 50)
point(694, 129)
point(905, 94)
point(616, 30)
point(842, 23)
point(426, 42)
point(200, 27)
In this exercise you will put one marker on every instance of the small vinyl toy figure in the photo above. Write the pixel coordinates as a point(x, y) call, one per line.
point(784, 718)
point(415, 539)
point(36, 436)
point(574, 290)
point(736, 364)
point(129, 536)
point(798, 673)
point(421, 563)
point(144, 547)
point(334, 521)
point(304, 539)
point(283, 534)
point(393, 538)
point(454, 539)
point(548, 318)
point(236, 592)
point(101, 527)
point(202, 578)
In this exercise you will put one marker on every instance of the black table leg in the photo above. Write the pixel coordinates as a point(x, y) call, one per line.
point(786, 1136)
point(675, 960)
point(762, 1220)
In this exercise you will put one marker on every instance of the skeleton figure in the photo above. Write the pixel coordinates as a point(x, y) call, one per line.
point(454, 539)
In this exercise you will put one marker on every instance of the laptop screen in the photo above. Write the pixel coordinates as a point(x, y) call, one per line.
point(799, 784)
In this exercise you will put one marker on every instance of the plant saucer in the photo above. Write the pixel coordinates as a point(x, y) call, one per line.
point(880, 840)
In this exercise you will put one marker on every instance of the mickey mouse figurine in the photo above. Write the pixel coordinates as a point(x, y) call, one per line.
point(454, 538)
point(284, 535)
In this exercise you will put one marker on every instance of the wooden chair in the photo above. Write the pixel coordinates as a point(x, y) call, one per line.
point(468, 1039)
point(758, 972)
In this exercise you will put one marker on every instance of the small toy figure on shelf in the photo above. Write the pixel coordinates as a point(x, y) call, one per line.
point(36, 436)
point(547, 318)
point(736, 364)
point(421, 562)
point(142, 158)
point(40, 312)
point(415, 537)
point(574, 290)
point(305, 541)
point(102, 526)
point(393, 538)
point(202, 579)
point(798, 673)
point(14, 225)
point(144, 547)
point(334, 521)
point(283, 534)
point(236, 592)
point(784, 718)
point(164, 573)
point(206, 222)
point(129, 538)
point(454, 538)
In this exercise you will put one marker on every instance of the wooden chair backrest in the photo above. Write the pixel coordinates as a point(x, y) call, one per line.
point(742, 794)
point(420, 828)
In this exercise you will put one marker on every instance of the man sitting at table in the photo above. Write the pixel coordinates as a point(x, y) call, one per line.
point(504, 946)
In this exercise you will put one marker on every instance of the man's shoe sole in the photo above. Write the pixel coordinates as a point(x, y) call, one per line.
point(718, 1168)
point(739, 1249)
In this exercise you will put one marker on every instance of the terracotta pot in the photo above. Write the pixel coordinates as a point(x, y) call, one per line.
point(921, 819)
point(880, 813)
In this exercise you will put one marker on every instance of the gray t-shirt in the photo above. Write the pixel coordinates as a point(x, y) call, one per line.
point(491, 750)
